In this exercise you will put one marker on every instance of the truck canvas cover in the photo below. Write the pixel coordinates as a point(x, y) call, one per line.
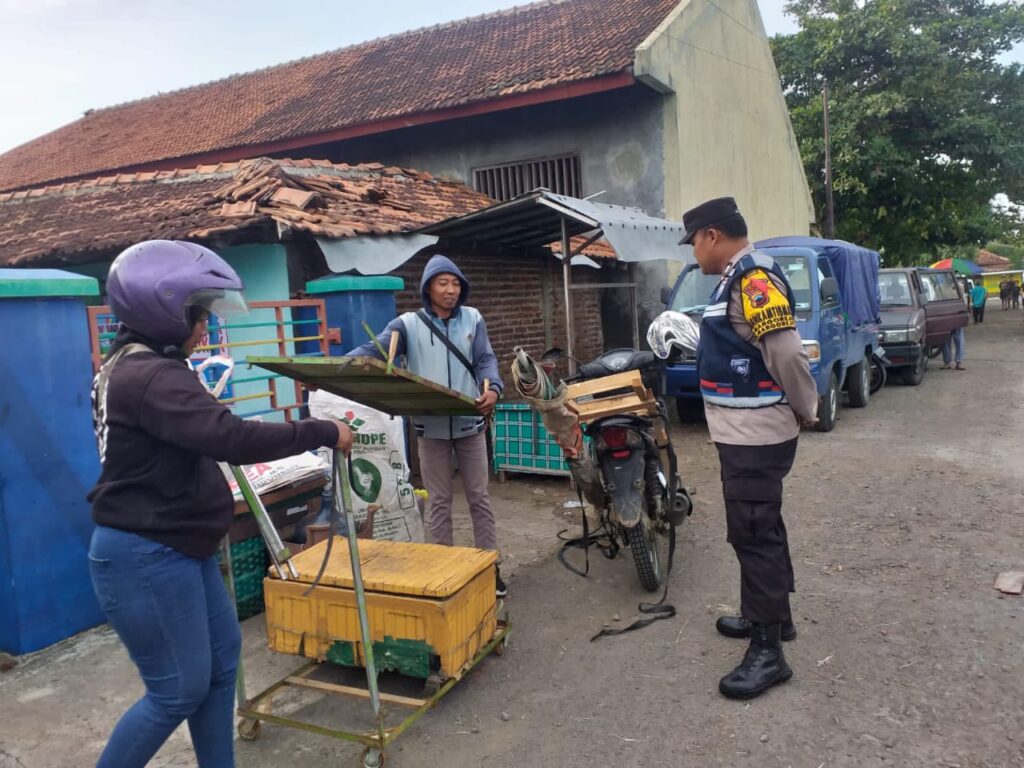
point(855, 267)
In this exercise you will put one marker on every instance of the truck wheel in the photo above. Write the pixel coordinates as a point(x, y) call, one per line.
point(914, 375)
point(858, 386)
point(879, 375)
point(689, 411)
point(828, 408)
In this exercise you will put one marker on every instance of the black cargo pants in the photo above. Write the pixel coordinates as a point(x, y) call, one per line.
point(752, 486)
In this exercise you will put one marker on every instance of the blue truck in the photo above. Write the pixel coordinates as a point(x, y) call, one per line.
point(835, 285)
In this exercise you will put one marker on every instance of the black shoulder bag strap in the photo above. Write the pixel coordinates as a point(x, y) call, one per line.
point(422, 315)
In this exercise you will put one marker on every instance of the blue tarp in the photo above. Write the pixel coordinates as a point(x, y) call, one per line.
point(855, 267)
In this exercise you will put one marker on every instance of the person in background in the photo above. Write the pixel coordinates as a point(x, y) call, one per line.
point(1004, 294)
point(758, 391)
point(446, 341)
point(956, 338)
point(1015, 294)
point(162, 505)
point(978, 298)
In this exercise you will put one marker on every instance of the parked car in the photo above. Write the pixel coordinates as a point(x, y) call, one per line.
point(920, 308)
point(835, 285)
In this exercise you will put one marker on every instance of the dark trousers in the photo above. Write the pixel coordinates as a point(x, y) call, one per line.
point(979, 314)
point(752, 486)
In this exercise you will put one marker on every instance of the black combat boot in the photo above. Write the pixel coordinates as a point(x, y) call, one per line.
point(762, 667)
point(737, 626)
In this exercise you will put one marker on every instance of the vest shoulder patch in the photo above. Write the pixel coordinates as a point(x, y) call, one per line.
point(765, 307)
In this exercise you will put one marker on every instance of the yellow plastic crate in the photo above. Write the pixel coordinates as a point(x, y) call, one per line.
point(431, 608)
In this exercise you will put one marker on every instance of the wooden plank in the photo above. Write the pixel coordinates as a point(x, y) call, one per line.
point(365, 380)
point(350, 690)
point(615, 405)
point(627, 379)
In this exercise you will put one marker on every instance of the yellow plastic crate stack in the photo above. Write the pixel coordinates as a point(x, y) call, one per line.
point(439, 596)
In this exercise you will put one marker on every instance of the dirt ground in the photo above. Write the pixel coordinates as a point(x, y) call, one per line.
point(899, 521)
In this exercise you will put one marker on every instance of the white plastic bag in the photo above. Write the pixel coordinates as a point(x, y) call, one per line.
point(271, 475)
point(380, 468)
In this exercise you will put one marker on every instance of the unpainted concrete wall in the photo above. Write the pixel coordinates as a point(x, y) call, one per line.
point(727, 128)
point(618, 136)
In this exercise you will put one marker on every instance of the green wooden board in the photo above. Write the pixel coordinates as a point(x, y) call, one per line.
point(365, 380)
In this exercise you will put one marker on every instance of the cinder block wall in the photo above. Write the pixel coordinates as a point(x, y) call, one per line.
point(510, 292)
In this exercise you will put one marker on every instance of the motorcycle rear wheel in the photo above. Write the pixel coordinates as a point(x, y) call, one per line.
point(650, 553)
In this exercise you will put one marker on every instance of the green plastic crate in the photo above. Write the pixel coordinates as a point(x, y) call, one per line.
point(521, 444)
point(249, 564)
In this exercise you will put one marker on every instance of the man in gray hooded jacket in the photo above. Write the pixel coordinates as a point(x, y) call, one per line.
point(444, 290)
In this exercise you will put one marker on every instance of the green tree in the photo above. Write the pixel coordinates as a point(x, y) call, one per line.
point(927, 126)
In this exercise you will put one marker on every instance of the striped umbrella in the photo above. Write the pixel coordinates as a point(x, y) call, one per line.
point(962, 266)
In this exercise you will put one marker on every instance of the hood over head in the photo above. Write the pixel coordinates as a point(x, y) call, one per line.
point(439, 265)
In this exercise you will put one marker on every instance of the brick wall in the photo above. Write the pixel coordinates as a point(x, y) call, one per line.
point(510, 293)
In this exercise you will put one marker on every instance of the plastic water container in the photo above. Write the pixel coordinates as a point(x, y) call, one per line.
point(48, 459)
point(351, 299)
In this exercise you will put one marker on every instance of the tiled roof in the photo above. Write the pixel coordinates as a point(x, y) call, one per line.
point(251, 200)
point(599, 249)
point(991, 260)
point(511, 53)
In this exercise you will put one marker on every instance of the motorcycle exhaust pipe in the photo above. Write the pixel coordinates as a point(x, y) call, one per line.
point(680, 508)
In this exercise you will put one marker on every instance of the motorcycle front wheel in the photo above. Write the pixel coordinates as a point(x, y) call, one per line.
point(650, 553)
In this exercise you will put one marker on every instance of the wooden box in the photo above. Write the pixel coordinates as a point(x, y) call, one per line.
point(431, 608)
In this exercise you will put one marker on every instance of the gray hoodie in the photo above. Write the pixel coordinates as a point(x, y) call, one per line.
point(428, 357)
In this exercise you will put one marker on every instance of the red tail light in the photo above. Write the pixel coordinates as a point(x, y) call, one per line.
point(615, 437)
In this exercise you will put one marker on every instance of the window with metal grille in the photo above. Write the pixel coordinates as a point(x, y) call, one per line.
point(560, 174)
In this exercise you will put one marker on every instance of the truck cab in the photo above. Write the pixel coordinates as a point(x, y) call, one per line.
point(835, 287)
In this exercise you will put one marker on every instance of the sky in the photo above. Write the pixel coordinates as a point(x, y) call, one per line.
point(63, 57)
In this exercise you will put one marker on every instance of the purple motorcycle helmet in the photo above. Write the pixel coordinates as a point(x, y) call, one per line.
point(152, 286)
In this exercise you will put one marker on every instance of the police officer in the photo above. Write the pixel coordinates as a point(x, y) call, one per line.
point(758, 392)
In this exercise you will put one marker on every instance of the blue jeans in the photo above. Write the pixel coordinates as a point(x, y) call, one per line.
point(955, 338)
point(174, 616)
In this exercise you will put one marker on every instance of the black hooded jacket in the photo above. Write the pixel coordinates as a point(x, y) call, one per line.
point(160, 436)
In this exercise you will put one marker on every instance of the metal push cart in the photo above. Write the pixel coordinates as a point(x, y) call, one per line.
point(258, 709)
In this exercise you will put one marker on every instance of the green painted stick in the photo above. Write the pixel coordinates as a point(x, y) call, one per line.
point(343, 503)
point(280, 555)
point(373, 338)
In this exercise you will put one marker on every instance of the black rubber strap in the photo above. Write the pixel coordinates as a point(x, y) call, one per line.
point(656, 611)
point(332, 520)
point(602, 537)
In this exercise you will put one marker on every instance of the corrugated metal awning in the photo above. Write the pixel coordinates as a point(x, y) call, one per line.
point(536, 220)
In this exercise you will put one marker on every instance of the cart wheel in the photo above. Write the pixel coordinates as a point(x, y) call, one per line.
point(372, 758)
point(249, 730)
point(432, 685)
point(499, 649)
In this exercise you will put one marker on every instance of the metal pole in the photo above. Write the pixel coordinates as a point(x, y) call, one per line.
point(343, 503)
point(631, 271)
point(830, 221)
point(229, 581)
point(570, 345)
point(280, 555)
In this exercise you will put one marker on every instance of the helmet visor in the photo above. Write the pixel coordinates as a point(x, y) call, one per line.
point(219, 302)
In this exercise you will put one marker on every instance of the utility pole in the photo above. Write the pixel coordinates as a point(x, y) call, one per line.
point(830, 214)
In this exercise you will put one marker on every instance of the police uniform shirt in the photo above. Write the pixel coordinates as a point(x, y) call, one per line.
point(784, 356)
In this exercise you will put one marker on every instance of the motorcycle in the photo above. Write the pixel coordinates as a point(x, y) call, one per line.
point(640, 499)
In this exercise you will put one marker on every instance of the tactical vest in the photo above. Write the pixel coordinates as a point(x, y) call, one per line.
point(731, 370)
